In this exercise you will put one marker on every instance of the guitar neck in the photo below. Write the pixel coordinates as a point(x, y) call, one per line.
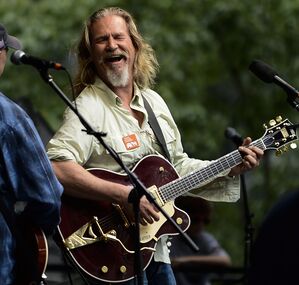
point(176, 188)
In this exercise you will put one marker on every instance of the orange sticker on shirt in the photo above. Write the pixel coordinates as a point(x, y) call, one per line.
point(131, 142)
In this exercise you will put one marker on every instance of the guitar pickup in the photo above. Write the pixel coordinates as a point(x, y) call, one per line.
point(153, 190)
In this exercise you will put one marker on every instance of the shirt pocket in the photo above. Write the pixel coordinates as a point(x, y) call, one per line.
point(130, 154)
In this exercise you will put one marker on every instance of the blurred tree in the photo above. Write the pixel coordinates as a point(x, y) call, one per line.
point(204, 49)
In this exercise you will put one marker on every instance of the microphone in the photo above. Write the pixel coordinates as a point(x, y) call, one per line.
point(231, 134)
point(20, 57)
point(269, 75)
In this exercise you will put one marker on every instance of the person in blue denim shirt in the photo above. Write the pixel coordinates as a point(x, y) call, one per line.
point(27, 183)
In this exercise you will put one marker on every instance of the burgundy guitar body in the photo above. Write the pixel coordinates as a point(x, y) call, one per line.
point(103, 250)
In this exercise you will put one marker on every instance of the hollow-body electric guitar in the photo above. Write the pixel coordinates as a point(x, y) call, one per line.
point(98, 236)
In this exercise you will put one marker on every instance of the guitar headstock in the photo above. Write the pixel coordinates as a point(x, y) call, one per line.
point(280, 135)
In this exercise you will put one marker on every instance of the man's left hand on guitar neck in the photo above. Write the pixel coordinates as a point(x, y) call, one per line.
point(251, 157)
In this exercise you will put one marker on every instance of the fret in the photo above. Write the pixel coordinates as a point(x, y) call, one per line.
point(192, 180)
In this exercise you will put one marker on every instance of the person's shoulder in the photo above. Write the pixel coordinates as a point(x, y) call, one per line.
point(96, 95)
point(154, 98)
point(207, 236)
point(9, 110)
point(150, 93)
point(5, 101)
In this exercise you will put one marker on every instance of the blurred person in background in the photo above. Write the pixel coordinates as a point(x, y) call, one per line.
point(211, 255)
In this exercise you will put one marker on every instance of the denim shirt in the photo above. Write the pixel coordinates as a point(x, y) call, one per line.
point(26, 178)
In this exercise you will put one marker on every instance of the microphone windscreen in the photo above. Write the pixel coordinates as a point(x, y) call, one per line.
point(231, 134)
point(262, 71)
point(16, 56)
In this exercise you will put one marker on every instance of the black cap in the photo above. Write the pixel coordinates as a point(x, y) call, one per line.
point(7, 41)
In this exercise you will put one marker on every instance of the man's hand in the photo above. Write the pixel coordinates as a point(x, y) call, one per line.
point(251, 158)
point(148, 212)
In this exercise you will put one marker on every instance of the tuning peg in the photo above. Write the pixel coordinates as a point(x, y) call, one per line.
point(278, 152)
point(272, 122)
point(265, 126)
point(282, 150)
point(293, 145)
point(278, 119)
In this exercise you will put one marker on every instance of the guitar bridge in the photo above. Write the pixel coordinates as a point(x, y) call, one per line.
point(85, 235)
point(122, 214)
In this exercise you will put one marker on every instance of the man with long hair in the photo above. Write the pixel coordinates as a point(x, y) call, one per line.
point(116, 70)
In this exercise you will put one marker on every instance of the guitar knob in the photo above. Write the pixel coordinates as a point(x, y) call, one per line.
point(104, 269)
point(179, 221)
point(123, 269)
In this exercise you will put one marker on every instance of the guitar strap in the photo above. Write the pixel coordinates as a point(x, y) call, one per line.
point(153, 122)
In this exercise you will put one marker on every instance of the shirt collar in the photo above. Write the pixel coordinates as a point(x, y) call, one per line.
point(110, 95)
point(113, 98)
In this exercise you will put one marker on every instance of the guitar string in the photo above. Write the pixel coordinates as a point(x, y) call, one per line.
point(231, 160)
point(210, 171)
point(194, 179)
point(188, 182)
point(108, 222)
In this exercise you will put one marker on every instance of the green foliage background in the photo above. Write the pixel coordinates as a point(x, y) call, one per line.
point(204, 48)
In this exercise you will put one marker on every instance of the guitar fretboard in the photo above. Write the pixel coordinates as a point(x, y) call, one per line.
point(176, 188)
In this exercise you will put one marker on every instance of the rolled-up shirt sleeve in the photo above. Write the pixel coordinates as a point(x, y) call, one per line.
point(70, 142)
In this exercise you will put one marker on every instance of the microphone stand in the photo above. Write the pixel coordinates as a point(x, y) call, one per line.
point(292, 100)
point(138, 188)
point(249, 229)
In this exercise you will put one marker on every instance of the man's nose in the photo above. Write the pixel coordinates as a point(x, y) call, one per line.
point(111, 44)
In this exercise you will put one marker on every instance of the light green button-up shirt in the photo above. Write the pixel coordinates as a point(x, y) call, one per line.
point(103, 110)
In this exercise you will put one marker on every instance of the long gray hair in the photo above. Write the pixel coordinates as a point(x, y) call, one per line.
point(145, 66)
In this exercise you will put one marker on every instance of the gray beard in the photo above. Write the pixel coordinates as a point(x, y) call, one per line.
point(118, 79)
